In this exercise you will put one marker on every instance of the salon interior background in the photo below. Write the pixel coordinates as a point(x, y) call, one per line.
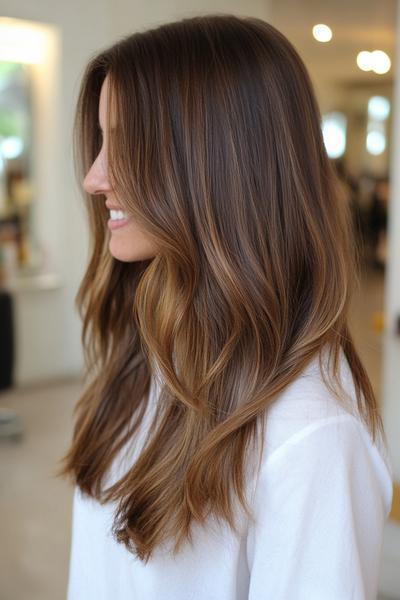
point(43, 239)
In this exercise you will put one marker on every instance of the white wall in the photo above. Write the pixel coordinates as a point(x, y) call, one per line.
point(129, 16)
point(391, 355)
point(392, 296)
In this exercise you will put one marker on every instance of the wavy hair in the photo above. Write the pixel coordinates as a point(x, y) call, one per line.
point(219, 156)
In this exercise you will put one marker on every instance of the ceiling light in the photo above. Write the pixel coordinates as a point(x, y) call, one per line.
point(380, 62)
point(322, 33)
point(364, 61)
point(377, 61)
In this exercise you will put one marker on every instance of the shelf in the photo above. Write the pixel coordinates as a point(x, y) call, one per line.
point(32, 283)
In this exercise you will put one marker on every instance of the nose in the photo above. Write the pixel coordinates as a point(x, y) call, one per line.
point(96, 179)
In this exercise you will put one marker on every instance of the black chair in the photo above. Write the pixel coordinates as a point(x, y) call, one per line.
point(6, 340)
point(11, 426)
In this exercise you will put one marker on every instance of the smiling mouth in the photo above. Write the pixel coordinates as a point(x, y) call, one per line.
point(118, 218)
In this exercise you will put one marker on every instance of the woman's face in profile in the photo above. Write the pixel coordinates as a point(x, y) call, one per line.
point(127, 242)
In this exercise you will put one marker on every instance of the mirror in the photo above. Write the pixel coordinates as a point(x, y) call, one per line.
point(16, 176)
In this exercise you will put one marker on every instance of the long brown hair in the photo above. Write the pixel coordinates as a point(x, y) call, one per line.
point(218, 155)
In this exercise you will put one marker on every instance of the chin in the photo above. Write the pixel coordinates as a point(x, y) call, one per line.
point(129, 252)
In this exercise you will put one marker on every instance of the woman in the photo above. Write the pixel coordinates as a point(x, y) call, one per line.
point(228, 443)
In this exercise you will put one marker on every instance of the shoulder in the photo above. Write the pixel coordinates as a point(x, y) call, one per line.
point(309, 433)
point(307, 403)
point(319, 507)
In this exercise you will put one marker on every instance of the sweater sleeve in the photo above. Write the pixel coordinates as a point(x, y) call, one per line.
point(320, 505)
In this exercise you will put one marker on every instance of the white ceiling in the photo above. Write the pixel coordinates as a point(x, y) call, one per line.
point(356, 25)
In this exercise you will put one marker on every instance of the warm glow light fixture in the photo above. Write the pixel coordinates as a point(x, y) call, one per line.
point(322, 33)
point(377, 61)
point(20, 43)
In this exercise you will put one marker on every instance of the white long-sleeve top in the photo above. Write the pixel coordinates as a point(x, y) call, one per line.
point(320, 502)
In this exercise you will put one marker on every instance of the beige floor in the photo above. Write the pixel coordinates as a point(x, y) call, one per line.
point(35, 507)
